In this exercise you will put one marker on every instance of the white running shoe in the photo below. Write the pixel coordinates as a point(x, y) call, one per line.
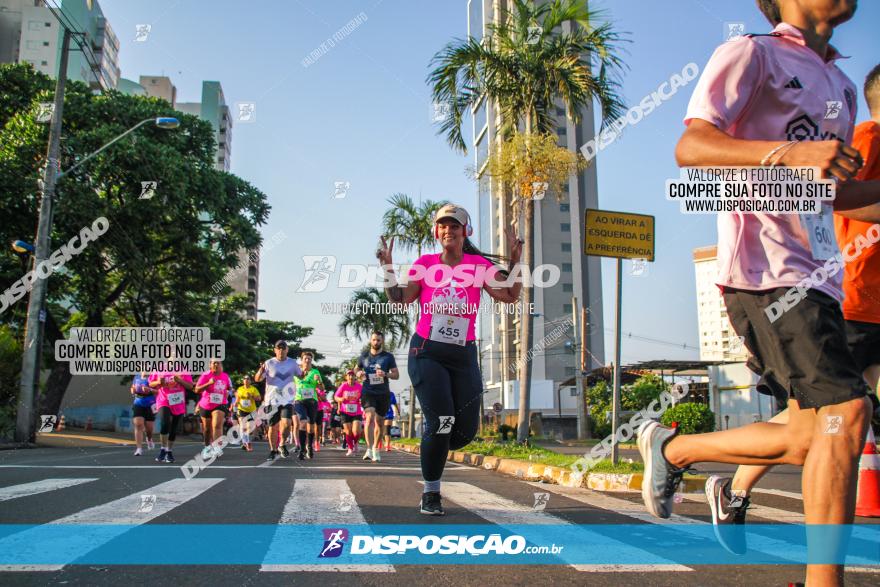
point(138, 452)
point(376, 456)
point(367, 456)
point(207, 453)
point(150, 445)
point(348, 453)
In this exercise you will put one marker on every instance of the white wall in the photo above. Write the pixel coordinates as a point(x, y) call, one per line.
point(744, 405)
point(541, 397)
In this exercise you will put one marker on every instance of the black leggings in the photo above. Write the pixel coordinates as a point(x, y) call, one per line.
point(170, 422)
point(447, 382)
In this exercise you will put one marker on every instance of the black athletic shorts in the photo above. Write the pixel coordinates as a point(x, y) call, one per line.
point(349, 419)
point(204, 413)
point(335, 422)
point(143, 412)
point(379, 401)
point(285, 411)
point(245, 415)
point(803, 354)
point(863, 339)
point(307, 410)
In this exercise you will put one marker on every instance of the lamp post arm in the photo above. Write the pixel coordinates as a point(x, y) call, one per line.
point(104, 148)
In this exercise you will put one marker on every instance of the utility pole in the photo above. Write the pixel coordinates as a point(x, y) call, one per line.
point(30, 362)
point(582, 407)
point(412, 413)
point(482, 386)
point(579, 342)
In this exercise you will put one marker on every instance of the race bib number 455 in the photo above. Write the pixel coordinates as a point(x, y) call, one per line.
point(449, 329)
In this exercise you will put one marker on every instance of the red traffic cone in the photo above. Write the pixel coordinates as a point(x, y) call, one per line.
point(868, 496)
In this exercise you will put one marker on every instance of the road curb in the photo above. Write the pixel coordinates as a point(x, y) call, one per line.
point(616, 482)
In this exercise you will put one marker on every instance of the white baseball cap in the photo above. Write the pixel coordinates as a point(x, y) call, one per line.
point(457, 213)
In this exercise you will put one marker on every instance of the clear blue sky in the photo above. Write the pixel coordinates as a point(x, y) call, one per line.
point(361, 114)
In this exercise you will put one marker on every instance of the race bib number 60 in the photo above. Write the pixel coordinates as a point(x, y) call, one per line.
point(820, 230)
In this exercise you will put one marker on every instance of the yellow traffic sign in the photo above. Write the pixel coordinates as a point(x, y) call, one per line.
point(618, 234)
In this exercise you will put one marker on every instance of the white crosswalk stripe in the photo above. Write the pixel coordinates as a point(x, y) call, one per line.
point(327, 502)
point(123, 512)
point(505, 512)
point(36, 487)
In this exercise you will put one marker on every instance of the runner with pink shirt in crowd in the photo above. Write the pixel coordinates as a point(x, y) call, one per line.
point(214, 385)
point(348, 396)
point(171, 406)
point(443, 362)
point(324, 407)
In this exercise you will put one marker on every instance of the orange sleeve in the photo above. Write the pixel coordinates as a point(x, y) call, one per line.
point(867, 141)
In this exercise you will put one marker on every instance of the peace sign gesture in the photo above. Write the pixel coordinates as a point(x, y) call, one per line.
point(384, 252)
point(514, 245)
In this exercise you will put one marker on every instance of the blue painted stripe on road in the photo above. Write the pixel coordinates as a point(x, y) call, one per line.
point(381, 544)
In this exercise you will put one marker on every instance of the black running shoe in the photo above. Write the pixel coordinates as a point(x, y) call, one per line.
point(310, 454)
point(728, 514)
point(431, 505)
point(271, 456)
point(302, 455)
point(160, 458)
point(284, 452)
point(169, 458)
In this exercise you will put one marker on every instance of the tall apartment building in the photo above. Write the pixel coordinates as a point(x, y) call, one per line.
point(30, 33)
point(718, 341)
point(558, 234)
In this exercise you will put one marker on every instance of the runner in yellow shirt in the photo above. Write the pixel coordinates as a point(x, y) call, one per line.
point(246, 398)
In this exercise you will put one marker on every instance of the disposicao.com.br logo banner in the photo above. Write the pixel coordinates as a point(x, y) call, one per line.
point(421, 544)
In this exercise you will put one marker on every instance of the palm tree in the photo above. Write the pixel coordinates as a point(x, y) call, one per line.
point(397, 327)
point(411, 225)
point(524, 63)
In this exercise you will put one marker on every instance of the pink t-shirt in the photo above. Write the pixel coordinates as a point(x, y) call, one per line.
point(326, 408)
point(171, 393)
point(457, 291)
point(774, 88)
point(349, 398)
point(218, 391)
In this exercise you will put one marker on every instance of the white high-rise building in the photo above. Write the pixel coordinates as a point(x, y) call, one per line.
point(30, 33)
point(558, 238)
point(718, 341)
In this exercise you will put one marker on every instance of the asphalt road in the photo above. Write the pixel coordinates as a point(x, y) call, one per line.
point(241, 489)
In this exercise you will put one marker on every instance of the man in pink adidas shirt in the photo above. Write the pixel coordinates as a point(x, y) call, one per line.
point(780, 99)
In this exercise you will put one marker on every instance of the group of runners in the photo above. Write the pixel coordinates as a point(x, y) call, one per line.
point(298, 414)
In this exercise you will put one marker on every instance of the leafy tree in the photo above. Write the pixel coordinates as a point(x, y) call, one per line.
point(634, 397)
point(525, 63)
point(158, 260)
point(411, 225)
point(10, 377)
point(642, 392)
point(692, 418)
point(397, 327)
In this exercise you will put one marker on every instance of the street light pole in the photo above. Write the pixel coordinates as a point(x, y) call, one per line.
point(36, 316)
point(24, 422)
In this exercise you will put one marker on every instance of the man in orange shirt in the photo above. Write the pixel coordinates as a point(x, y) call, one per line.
point(729, 498)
